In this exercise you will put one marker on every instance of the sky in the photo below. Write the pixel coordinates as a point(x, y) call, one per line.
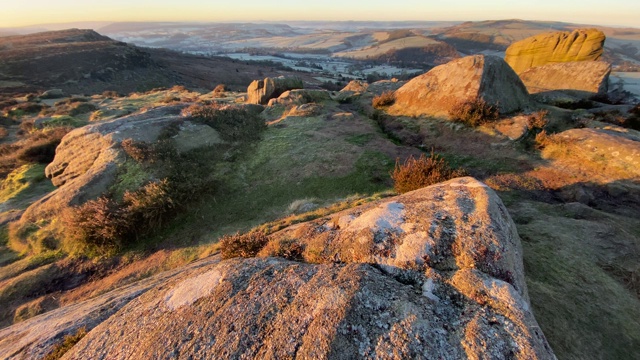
point(15, 13)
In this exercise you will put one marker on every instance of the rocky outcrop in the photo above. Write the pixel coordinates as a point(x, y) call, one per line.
point(356, 86)
point(587, 78)
point(300, 96)
point(557, 47)
point(87, 159)
point(261, 91)
point(609, 154)
point(435, 273)
point(446, 86)
point(36, 337)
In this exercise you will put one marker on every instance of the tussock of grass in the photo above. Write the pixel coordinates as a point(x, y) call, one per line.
point(66, 344)
point(18, 183)
point(424, 171)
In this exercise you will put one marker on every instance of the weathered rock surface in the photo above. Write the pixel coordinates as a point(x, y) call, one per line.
point(438, 91)
point(515, 127)
point(52, 94)
point(87, 159)
point(356, 86)
point(435, 273)
point(557, 47)
point(587, 78)
point(300, 96)
point(36, 337)
point(261, 91)
point(613, 153)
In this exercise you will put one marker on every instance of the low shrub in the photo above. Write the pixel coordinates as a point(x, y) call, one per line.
point(424, 171)
point(538, 120)
point(387, 98)
point(41, 146)
point(79, 109)
point(27, 108)
point(110, 94)
point(219, 90)
point(146, 209)
point(233, 123)
point(66, 344)
point(71, 101)
point(474, 112)
point(98, 224)
point(286, 248)
point(105, 225)
point(138, 150)
point(169, 99)
point(242, 245)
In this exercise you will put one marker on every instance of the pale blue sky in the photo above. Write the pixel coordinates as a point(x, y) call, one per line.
point(30, 12)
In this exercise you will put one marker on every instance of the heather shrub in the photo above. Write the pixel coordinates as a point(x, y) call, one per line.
point(424, 171)
point(41, 146)
point(538, 120)
point(233, 123)
point(242, 245)
point(219, 90)
point(137, 150)
point(286, 248)
point(145, 210)
point(110, 94)
point(27, 108)
point(387, 98)
point(98, 224)
point(67, 343)
point(474, 112)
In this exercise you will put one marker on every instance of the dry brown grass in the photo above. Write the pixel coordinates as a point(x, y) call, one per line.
point(424, 171)
point(474, 113)
point(66, 344)
point(385, 99)
point(538, 120)
point(242, 245)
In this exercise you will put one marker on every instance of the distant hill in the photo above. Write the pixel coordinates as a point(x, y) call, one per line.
point(83, 61)
point(622, 47)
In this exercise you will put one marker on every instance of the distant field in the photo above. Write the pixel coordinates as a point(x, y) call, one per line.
point(326, 41)
point(408, 42)
point(631, 81)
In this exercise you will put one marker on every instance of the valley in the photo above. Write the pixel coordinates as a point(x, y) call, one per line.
point(240, 182)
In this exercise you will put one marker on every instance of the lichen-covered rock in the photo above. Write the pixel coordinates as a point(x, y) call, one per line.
point(557, 47)
point(438, 91)
point(610, 154)
point(435, 273)
point(356, 86)
point(36, 337)
point(261, 91)
point(587, 78)
point(52, 94)
point(300, 97)
point(87, 159)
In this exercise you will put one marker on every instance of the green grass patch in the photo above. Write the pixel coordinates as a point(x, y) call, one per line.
point(360, 139)
point(131, 177)
point(29, 263)
point(485, 165)
point(64, 120)
point(257, 183)
point(583, 311)
point(25, 182)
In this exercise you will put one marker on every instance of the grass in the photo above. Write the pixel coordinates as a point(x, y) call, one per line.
point(581, 308)
point(297, 159)
point(64, 120)
point(25, 182)
point(66, 344)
